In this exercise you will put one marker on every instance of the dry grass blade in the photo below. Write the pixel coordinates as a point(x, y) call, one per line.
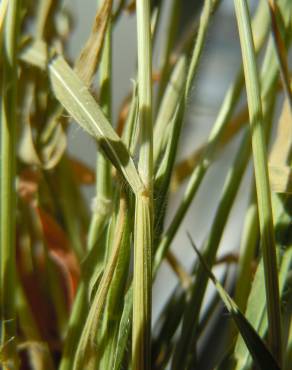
point(178, 269)
point(89, 58)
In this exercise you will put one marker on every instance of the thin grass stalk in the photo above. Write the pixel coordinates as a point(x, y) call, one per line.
point(184, 355)
point(250, 233)
point(261, 177)
point(145, 92)
point(199, 172)
point(102, 206)
point(8, 177)
point(142, 280)
point(165, 63)
point(209, 7)
point(77, 318)
point(248, 245)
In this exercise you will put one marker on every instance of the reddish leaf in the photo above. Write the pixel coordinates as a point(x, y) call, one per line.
point(28, 184)
point(84, 175)
point(59, 249)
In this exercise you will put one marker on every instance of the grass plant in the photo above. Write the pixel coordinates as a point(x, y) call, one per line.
point(76, 278)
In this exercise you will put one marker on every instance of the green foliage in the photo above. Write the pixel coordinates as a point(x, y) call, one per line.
point(72, 296)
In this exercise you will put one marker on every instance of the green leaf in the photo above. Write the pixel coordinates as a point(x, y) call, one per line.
point(77, 100)
point(261, 355)
point(261, 175)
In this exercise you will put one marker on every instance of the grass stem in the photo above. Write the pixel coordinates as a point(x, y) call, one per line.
point(8, 176)
point(261, 177)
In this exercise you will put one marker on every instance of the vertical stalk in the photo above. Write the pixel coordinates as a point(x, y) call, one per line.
point(144, 207)
point(103, 179)
point(145, 91)
point(261, 177)
point(8, 175)
point(167, 46)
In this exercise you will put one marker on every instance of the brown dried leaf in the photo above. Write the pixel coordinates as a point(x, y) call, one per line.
point(83, 174)
point(89, 58)
point(28, 183)
point(59, 248)
point(131, 8)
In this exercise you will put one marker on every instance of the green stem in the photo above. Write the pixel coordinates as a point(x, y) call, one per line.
point(8, 177)
point(142, 281)
point(103, 176)
point(261, 177)
point(167, 47)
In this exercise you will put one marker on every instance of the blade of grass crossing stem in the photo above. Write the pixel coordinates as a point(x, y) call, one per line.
point(260, 353)
point(8, 178)
point(184, 352)
point(77, 100)
point(142, 280)
point(261, 177)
